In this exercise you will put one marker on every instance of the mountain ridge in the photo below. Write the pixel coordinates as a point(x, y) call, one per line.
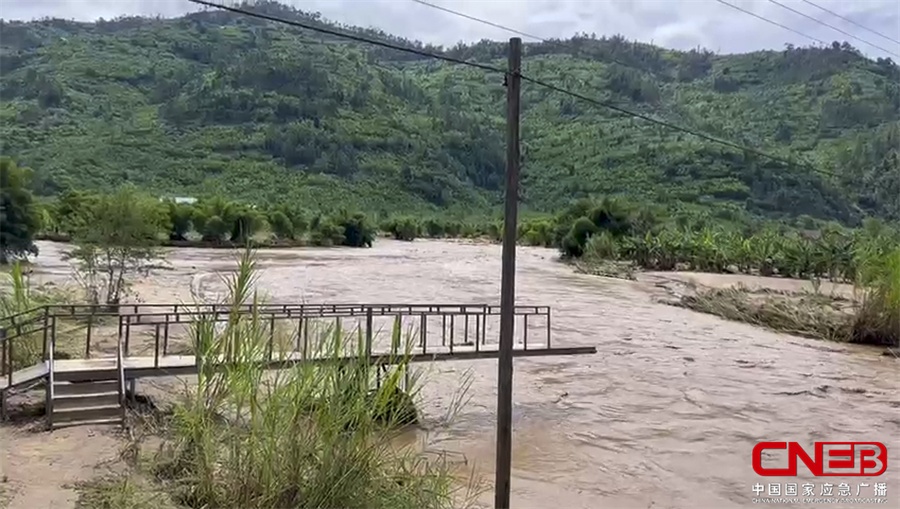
point(216, 103)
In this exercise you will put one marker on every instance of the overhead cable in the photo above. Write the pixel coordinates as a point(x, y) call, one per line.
point(848, 34)
point(346, 35)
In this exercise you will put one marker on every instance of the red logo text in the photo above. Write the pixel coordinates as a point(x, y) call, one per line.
point(829, 459)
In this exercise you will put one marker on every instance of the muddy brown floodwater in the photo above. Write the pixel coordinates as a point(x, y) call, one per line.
point(664, 415)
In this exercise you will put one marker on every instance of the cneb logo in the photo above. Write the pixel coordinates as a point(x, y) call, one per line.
point(829, 459)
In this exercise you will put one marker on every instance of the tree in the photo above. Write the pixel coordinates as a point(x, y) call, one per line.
point(19, 219)
point(214, 229)
point(573, 243)
point(299, 219)
point(325, 232)
point(404, 228)
point(70, 209)
point(118, 238)
point(281, 225)
point(357, 232)
point(247, 221)
point(181, 217)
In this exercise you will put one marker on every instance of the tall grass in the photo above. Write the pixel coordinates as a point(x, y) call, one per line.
point(310, 435)
point(877, 317)
point(17, 296)
point(15, 292)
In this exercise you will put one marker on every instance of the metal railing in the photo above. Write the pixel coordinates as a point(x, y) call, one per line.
point(120, 372)
point(457, 325)
point(50, 393)
point(21, 335)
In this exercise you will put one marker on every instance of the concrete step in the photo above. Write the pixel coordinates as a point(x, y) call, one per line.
point(85, 414)
point(100, 373)
point(79, 388)
point(93, 402)
point(94, 422)
point(76, 401)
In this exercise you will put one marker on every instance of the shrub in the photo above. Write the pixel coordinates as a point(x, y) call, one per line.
point(404, 229)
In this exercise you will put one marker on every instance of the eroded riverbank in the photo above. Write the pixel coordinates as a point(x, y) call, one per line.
point(665, 415)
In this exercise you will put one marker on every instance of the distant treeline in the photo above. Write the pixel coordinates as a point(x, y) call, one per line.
point(219, 222)
point(652, 237)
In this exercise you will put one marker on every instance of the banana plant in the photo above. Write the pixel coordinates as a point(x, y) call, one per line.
point(764, 252)
point(797, 259)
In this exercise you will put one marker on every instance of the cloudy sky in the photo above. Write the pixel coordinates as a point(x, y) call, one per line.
point(681, 24)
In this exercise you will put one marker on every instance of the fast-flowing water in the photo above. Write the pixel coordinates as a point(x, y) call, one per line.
point(664, 415)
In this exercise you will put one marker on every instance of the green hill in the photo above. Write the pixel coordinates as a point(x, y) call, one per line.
point(216, 103)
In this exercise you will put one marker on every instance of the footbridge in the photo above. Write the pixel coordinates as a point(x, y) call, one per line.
point(87, 356)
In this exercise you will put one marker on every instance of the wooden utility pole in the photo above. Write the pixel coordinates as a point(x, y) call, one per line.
point(508, 280)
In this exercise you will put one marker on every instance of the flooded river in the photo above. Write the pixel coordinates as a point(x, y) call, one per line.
point(664, 415)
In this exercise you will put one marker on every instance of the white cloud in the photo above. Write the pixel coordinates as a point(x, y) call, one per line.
point(681, 24)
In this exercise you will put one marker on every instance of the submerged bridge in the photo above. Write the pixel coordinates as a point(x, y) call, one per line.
point(86, 356)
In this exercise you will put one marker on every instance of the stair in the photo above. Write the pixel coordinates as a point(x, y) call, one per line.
point(81, 403)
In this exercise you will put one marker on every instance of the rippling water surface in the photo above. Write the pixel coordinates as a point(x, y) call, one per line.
point(664, 415)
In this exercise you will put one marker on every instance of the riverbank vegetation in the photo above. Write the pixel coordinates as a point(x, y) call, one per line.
point(609, 232)
point(869, 315)
point(306, 436)
point(218, 222)
point(212, 222)
point(652, 240)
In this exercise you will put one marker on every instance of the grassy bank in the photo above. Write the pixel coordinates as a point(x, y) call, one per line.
point(870, 316)
point(305, 436)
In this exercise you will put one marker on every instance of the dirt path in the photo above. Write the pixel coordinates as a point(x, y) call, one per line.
point(665, 415)
point(38, 468)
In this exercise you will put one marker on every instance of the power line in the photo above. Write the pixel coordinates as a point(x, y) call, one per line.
point(519, 32)
point(672, 126)
point(479, 20)
point(767, 20)
point(848, 34)
point(848, 20)
point(610, 105)
point(353, 37)
point(597, 102)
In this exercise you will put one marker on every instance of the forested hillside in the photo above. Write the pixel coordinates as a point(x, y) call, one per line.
point(216, 103)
